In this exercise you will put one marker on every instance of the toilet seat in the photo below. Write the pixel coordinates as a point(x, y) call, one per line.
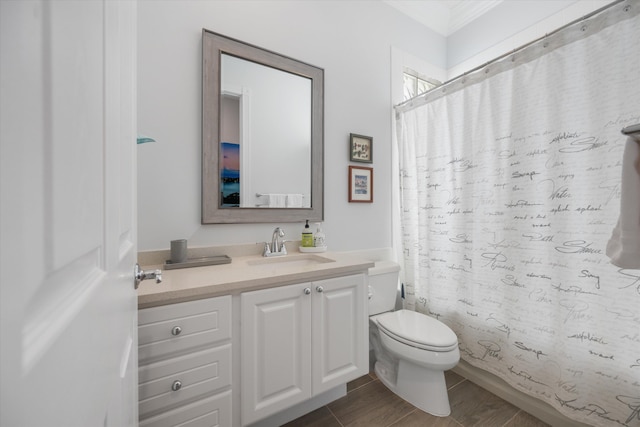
point(418, 330)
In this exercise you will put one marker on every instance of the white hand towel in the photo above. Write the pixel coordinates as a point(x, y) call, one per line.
point(624, 245)
point(294, 200)
point(277, 200)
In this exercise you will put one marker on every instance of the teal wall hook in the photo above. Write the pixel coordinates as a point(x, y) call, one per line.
point(142, 139)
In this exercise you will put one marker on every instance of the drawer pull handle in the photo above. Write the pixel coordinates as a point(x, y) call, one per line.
point(176, 330)
point(177, 385)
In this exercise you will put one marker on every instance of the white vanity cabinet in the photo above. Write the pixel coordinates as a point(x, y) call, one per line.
point(184, 356)
point(299, 341)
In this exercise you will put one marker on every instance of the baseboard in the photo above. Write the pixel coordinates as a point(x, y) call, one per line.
point(500, 388)
point(303, 408)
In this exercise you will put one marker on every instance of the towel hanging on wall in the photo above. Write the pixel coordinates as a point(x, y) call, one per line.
point(294, 200)
point(276, 200)
point(624, 245)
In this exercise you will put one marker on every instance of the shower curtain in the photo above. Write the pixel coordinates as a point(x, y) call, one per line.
point(509, 188)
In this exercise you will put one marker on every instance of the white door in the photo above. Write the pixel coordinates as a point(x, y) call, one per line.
point(340, 346)
point(68, 231)
point(276, 346)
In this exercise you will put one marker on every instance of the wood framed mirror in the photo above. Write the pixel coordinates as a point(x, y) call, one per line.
point(262, 135)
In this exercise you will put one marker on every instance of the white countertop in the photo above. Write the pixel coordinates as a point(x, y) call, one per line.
point(245, 273)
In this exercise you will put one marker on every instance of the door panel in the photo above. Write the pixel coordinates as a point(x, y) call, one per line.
point(69, 354)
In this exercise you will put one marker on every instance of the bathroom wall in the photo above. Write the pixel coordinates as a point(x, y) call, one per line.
point(351, 40)
point(508, 26)
point(360, 44)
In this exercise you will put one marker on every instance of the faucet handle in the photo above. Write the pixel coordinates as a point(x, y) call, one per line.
point(283, 248)
point(267, 249)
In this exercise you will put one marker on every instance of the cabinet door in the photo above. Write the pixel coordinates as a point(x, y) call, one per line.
point(276, 350)
point(340, 351)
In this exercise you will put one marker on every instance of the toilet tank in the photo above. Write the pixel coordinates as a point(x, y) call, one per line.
point(383, 287)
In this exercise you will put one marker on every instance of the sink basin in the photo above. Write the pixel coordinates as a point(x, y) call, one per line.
point(291, 261)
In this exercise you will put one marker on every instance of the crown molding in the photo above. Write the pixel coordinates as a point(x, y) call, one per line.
point(463, 12)
point(443, 16)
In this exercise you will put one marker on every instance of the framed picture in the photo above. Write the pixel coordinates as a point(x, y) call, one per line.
point(360, 148)
point(360, 184)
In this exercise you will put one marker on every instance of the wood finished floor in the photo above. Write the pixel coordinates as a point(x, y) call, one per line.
point(369, 403)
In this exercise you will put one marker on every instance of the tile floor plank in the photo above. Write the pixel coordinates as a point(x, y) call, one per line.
point(524, 419)
point(321, 417)
point(419, 418)
point(452, 379)
point(472, 405)
point(358, 382)
point(369, 403)
point(372, 405)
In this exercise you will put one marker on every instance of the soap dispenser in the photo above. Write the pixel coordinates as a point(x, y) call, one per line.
point(307, 236)
point(319, 237)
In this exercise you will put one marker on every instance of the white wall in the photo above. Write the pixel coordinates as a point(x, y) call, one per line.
point(508, 26)
point(362, 46)
point(351, 40)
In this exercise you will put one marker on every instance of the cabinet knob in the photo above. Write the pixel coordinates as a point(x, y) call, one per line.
point(177, 385)
point(319, 288)
point(176, 330)
point(307, 291)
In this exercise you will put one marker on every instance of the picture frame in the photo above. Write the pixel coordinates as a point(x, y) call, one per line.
point(360, 184)
point(229, 175)
point(360, 148)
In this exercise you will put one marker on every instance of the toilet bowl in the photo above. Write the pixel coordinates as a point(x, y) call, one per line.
point(412, 350)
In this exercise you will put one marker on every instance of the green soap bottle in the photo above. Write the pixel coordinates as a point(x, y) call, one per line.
point(307, 236)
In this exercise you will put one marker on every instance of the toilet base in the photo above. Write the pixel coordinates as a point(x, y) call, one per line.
point(423, 388)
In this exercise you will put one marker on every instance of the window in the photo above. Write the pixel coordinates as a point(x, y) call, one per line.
point(415, 84)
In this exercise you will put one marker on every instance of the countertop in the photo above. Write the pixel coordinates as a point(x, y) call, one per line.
point(245, 273)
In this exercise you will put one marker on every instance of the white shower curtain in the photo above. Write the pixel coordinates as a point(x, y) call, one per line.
point(509, 191)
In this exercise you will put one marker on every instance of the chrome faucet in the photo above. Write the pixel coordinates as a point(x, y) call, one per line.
point(277, 246)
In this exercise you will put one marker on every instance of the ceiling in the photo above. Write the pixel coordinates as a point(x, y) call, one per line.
point(444, 16)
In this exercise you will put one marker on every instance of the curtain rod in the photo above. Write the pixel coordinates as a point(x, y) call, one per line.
point(631, 130)
point(511, 52)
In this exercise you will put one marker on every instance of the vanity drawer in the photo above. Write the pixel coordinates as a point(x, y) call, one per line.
point(212, 411)
point(165, 330)
point(170, 382)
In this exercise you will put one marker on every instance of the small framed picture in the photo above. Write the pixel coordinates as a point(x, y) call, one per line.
point(360, 184)
point(360, 148)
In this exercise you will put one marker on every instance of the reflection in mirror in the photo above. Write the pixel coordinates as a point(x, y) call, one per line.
point(265, 122)
point(262, 135)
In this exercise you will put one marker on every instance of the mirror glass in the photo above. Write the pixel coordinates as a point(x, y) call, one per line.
point(262, 135)
point(265, 122)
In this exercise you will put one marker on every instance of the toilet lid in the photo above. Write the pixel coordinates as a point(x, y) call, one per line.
point(418, 330)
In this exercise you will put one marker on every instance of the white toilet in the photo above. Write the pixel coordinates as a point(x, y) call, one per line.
point(412, 350)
